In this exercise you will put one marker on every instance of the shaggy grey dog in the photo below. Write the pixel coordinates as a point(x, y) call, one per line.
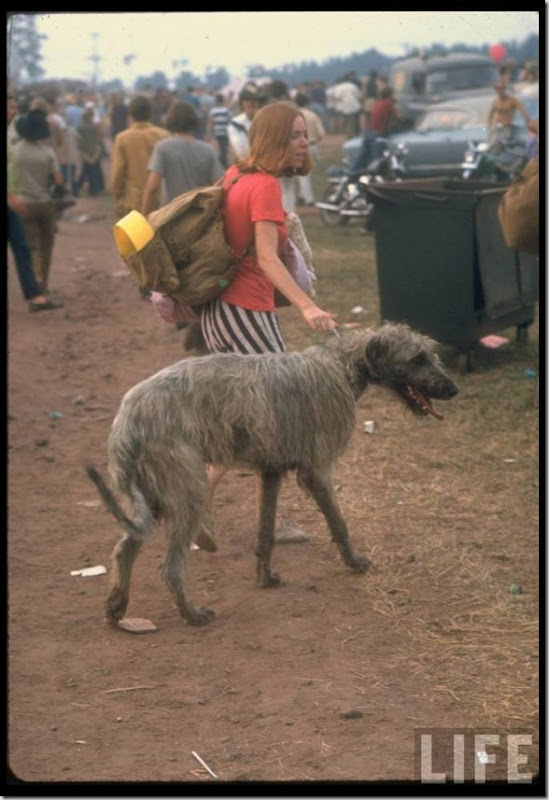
point(271, 412)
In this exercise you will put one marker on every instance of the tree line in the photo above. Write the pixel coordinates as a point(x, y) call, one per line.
point(25, 64)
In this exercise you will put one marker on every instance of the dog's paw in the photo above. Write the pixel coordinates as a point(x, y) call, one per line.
point(115, 607)
point(359, 563)
point(269, 581)
point(201, 616)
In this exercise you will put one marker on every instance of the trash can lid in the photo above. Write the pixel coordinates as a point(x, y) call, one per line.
point(443, 192)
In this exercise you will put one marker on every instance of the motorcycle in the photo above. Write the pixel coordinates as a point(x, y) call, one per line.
point(499, 159)
point(345, 195)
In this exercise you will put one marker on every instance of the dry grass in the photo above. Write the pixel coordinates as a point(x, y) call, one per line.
point(449, 511)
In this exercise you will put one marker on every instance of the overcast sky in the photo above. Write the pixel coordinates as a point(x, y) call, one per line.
point(237, 39)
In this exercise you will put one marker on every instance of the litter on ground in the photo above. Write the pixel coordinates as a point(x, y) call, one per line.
point(88, 572)
point(137, 625)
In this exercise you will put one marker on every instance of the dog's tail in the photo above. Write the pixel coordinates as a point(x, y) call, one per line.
point(138, 528)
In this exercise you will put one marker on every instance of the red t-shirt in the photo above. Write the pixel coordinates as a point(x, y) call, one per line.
point(383, 113)
point(254, 197)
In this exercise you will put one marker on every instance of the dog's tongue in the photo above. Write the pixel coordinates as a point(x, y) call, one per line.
point(425, 403)
point(433, 411)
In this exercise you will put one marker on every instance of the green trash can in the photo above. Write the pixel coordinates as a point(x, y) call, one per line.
point(443, 265)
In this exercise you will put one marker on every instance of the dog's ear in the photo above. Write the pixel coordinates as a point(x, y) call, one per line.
point(376, 353)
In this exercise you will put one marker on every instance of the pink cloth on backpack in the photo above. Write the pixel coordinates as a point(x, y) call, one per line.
point(170, 310)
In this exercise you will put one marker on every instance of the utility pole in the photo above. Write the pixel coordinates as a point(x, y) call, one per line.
point(96, 58)
point(128, 59)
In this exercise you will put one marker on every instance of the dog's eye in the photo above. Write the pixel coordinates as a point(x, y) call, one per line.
point(418, 360)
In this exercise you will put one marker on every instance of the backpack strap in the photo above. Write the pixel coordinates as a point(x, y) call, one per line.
point(250, 248)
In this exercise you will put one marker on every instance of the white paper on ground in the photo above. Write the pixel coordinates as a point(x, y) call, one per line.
point(89, 571)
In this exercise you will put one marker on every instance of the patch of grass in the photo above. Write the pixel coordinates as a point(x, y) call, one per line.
point(448, 511)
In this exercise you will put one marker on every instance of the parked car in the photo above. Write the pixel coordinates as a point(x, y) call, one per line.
point(419, 82)
point(437, 144)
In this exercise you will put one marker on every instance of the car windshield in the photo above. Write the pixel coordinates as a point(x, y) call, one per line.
point(444, 120)
point(466, 77)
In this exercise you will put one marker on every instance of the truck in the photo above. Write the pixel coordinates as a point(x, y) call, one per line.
point(420, 81)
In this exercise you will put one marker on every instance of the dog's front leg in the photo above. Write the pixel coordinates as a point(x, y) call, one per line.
point(322, 491)
point(270, 486)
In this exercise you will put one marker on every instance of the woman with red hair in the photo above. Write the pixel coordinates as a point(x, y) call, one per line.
point(243, 319)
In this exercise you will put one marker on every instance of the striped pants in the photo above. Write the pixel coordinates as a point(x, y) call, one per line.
point(232, 329)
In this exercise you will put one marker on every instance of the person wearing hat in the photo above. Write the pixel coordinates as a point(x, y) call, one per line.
point(250, 100)
point(35, 168)
point(17, 239)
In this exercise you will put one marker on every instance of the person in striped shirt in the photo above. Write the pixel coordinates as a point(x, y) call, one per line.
point(219, 117)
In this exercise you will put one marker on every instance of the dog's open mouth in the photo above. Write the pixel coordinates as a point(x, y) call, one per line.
point(418, 402)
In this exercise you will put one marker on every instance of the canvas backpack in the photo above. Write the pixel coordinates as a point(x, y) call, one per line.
point(188, 257)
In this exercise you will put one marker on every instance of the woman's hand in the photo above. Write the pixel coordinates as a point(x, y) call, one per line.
point(318, 319)
point(266, 242)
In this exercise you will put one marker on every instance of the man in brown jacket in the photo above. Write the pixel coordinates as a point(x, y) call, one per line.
point(131, 152)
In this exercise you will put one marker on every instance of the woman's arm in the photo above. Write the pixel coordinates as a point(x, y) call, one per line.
point(266, 243)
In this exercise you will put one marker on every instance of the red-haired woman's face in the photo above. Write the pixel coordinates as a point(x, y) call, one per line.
point(299, 144)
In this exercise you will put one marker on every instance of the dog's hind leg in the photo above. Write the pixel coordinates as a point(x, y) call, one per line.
point(184, 507)
point(270, 487)
point(173, 573)
point(123, 557)
point(321, 489)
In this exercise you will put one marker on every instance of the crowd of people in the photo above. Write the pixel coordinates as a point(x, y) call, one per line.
point(152, 163)
point(263, 151)
point(146, 149)
point(142, 150)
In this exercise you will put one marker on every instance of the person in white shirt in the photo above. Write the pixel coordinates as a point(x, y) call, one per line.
point(348, 98)
point(316, 133)
point(250, 100)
